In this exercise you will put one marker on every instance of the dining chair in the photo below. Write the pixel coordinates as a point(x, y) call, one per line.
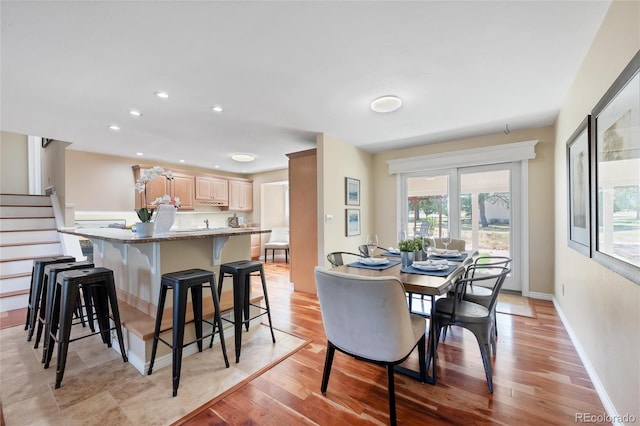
point(336, 258)
point(368, 318)
point(278, 240)
point(455, 244)
point(364, 250)
point(478, 319)
point(481, 294)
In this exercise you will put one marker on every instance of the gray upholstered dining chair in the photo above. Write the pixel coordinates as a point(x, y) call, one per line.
point(479, 319)
point(337, 258)
point(368, 318)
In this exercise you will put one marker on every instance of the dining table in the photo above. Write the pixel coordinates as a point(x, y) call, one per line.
point(428, 283)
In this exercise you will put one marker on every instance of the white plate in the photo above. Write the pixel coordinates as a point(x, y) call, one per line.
point(447, 253)
point(371, 261)
point(393, 250)
point(431, 265)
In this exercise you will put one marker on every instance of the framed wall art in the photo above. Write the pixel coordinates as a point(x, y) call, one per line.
point(352, 220)
point(615, 156)
point(578, 200)
point(352, 191)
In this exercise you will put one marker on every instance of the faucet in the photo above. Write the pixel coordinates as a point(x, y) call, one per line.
point(206, 222)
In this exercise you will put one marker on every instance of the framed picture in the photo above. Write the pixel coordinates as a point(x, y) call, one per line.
point(352, 220)
point(615, 187)
point(578, 205)
point(352, 191)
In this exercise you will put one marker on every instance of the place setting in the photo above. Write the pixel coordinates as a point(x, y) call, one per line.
point(433, 265)
point(371, 262)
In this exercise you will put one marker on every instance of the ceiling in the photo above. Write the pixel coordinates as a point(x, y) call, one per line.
point(283, 72)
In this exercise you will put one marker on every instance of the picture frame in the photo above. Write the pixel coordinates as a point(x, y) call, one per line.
point(615, 180)
point(352, 222)
point(352, 191)
point(578, 189)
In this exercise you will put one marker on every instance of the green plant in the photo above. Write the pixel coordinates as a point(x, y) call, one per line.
point(413, 244)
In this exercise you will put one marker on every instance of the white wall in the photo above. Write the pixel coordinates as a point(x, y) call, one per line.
point(337, 161)
point(601, 307)
point(14, 173)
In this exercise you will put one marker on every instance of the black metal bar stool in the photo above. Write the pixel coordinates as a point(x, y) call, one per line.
point(241, 272)
point(35, 289)
point(48, 289)
point(99, 284)
point(180, 282)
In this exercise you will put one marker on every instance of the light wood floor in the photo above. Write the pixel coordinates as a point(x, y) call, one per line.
point(538, 377)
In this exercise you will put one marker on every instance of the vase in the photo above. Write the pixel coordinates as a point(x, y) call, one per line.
point(406, 257)
point(165, 217)
point(145, 229)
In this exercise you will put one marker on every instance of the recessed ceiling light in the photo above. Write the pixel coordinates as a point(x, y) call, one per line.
point(387, 103)
point(135, 113)
point(216, 166)
point(162, 95)
point(139, 154)
point(217, 108)
point(182, 161)
point(242, 157)
point(114, 127)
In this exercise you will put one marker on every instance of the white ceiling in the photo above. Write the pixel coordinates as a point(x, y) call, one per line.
point(284, 71)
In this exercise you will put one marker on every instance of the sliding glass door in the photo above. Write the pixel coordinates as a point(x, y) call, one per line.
point(477, 204)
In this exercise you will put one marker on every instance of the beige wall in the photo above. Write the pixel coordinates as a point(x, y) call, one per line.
point(541, 203)
point(602, 308)
point(14, 170)
point(272, 196)
point(53, 174)
point(336, 161)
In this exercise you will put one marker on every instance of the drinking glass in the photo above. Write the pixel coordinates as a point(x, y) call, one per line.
point(428, 245)
point(372, 244)
point(446, 238)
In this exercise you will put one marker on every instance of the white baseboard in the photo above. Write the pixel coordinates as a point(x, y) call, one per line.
point(541, 296)
point(612, 413)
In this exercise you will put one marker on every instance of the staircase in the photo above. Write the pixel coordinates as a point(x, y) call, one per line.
point(27, 232)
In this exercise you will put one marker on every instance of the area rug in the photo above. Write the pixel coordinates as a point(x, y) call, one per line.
point(100, 389)
point(514, 304)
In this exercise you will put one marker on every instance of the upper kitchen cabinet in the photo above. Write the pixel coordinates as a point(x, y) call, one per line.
point(212, 190)
point(181, 186)
point(240, 195)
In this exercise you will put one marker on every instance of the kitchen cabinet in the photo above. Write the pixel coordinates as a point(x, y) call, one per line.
point(256, 246)
point(240, 195)
point(212, 190)
point(181, 186)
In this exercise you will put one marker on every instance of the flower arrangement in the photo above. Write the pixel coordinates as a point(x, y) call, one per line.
point(145, 214)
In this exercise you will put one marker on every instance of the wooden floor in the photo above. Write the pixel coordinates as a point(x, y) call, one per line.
point(538, 377)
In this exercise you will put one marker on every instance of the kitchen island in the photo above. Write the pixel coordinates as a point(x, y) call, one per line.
point(138, 264)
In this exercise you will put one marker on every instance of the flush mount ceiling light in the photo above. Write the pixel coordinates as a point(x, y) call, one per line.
point(162, 95)
point(135, 113)
point(242, 157)
point(139, 154)
point(217, 108)
point(387, 103)
point(114, 127)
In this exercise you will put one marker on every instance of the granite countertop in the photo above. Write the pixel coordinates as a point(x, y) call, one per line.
point(129, 237)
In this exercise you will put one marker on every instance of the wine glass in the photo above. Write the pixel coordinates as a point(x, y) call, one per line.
point(372, 244)
point(446, 238)
point(428, 245)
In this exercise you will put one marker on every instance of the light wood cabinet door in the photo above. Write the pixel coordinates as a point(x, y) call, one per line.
point(256, 243)
point(182, 187)
point(212, 190)
point(240, 195)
